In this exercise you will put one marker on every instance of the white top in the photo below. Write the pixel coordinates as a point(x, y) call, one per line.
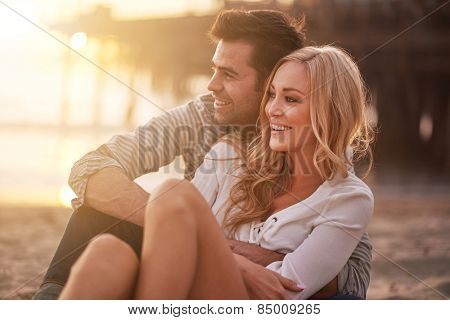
point(318, 234)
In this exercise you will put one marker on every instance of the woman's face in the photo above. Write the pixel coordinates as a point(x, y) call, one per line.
point(288, 109)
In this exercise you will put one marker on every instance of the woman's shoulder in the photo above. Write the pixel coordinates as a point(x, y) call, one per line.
point(351, 196)
point(350, 185)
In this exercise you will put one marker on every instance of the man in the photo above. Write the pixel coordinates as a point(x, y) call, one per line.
point(249, 43)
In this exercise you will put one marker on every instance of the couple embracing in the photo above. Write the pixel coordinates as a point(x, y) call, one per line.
point(276, 212)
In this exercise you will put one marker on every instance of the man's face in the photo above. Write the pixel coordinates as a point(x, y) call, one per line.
point(234, 84)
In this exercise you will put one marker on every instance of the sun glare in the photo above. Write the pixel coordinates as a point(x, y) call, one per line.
point(78, 40)
point(65, 196)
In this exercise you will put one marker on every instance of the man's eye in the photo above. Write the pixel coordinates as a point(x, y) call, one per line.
point(228, 76)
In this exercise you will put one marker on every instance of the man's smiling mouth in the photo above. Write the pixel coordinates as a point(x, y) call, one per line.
point(221, 103)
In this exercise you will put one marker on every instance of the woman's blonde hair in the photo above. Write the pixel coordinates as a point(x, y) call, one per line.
point(338, 120)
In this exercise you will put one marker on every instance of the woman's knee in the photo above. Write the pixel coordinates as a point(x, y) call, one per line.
point(106, 253)
point(109, 243)
point(182, 204)
point(176, 194)
point(169, 187)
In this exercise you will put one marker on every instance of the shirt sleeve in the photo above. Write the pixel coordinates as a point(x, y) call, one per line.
point(150, 147)
point(336, 232)
point(354, 278)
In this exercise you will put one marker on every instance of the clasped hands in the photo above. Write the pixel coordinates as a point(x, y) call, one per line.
point(266, 284)
point(261, 283)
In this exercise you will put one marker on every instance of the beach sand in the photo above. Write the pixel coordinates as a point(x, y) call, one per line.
point(409, 232)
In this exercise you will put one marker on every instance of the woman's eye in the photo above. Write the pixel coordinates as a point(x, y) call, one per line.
point(293, 100)
point(289, 99)
point(271, 94)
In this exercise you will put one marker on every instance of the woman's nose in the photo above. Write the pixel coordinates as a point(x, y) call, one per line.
point(275, 108)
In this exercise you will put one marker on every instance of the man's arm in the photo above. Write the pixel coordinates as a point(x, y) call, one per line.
point(112, 192)
point(355, 276)
point(353, 279)
point(265, 257)
point(254, 253)
point(103, 179)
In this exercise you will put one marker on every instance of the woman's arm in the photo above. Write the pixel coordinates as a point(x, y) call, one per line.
point(337, 231)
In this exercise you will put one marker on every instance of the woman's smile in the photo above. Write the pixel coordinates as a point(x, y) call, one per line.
point(276, 128)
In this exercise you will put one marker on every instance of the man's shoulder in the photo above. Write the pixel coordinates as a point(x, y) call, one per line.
point(200, 108)
point(204, 104)
point(206, 98)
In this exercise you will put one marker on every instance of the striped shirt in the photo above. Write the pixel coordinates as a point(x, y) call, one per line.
point(189, 131)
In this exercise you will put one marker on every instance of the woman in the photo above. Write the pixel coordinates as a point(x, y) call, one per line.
point(292, 191)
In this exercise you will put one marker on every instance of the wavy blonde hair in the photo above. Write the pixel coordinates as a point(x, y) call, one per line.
point(338, 120)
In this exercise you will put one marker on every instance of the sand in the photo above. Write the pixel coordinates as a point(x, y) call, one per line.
point(409, 232)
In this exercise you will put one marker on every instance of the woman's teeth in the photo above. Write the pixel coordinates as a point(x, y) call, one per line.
point(279, 128)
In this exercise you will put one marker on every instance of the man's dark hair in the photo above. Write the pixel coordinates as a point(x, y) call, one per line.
point(273, 35)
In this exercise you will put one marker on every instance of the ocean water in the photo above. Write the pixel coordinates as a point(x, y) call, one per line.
point(35, 163)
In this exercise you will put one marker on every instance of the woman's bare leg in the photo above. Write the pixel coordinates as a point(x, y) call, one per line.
point(107, 269)
point(185, 254)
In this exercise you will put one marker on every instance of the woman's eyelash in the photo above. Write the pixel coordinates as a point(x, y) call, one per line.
point(271, 95)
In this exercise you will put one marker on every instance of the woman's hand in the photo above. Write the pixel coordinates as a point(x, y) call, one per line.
point(262, 283)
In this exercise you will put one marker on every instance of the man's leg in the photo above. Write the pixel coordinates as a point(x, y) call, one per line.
point(84, 224)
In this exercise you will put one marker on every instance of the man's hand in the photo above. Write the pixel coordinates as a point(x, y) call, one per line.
point(262, 283)
point(254, 253)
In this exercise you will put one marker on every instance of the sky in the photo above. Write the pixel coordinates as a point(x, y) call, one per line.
point(121, 8)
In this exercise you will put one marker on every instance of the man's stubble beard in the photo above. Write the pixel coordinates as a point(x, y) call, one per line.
point(236, 117)
point(228, 118)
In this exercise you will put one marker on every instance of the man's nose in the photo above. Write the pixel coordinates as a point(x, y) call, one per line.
point(215, 84)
